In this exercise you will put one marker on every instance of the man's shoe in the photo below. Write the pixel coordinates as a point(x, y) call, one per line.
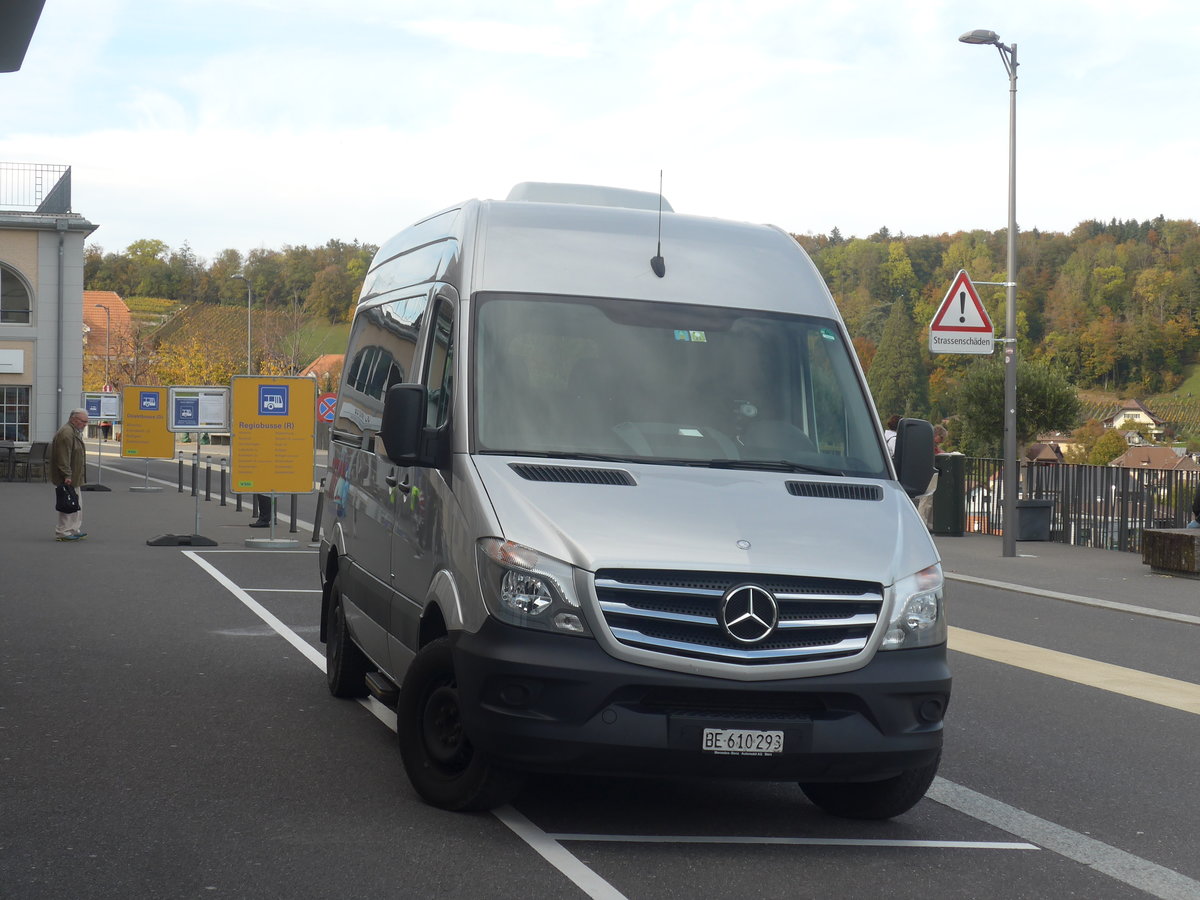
point(67, 537)
point(80, 535)
point(260, 524)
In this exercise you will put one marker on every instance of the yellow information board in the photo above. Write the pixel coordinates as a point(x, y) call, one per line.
point(273, 423)
point(144, 431)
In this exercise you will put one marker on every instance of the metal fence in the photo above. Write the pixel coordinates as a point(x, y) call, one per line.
point(35, 187)
point(1104, 507)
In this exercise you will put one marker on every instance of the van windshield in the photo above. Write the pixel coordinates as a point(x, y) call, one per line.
point(668, 383)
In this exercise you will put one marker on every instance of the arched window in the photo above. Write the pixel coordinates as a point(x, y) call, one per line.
point(15, 300)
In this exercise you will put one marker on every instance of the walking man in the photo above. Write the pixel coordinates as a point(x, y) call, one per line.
point(67, 455)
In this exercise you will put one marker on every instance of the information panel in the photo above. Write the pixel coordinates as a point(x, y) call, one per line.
point(192, 408)
point(273, 434)
point(144, 433)
point(102, 405)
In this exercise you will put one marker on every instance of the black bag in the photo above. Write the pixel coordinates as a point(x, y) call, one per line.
point(65, 499)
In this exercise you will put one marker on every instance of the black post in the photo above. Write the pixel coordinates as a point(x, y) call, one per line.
point(223, 479)
point(238, 507)
point(317, 518)
point(181, 473)
point(293, 529)
point(195, 474)
point(207, 478)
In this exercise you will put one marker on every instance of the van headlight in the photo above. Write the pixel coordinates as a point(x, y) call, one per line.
point(918, 612)
point(526, 588)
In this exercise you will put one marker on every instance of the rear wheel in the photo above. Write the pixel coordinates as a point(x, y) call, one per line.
point(346, 666)
point(443, 766)
point(873, 799)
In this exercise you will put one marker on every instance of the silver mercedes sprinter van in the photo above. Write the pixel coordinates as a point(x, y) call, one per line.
point(607, 494)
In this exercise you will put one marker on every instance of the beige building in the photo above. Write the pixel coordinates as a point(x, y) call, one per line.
point(41, 300)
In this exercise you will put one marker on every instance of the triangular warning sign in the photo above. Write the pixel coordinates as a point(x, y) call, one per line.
point(961, 310)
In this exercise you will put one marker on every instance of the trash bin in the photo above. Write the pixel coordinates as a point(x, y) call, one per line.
point(950, 498)
point(1033, 519)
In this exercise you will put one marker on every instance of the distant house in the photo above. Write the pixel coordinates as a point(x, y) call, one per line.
point(107, 327)
point(1163, 458)
point(1134, 412)
point(327, 369)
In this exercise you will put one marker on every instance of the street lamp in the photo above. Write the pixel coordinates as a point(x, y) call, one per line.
point(248, 300)
point(1008, 55)
point(107, 332)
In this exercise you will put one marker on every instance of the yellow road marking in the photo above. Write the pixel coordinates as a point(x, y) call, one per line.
point(1140, 685)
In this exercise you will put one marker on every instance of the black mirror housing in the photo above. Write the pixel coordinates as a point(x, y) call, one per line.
point(403, 426)
point(913, 456)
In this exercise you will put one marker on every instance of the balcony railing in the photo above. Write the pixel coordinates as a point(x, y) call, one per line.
point(35, 187)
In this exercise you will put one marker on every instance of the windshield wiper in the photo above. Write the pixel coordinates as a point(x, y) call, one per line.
point(772, 465)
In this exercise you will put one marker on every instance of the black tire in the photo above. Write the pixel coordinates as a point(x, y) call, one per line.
point(873, 799)
point(346, 666)
point(438, 757)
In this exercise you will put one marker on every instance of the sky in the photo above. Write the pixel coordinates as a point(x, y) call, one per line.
point(263, 123)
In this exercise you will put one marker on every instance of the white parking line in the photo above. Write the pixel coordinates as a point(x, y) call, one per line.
point(1156, 880)
point(787, 841)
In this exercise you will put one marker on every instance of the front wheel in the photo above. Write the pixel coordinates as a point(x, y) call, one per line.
point(443, 766)
point(873, 799)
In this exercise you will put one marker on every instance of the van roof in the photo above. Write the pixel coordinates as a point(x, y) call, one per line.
point(577, 250)
point(588, 195)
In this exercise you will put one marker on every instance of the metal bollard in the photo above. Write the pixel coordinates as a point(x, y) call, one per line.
point(224, 472)
point(181, 471)
point(207, 478)
point(293, 529)
point(238, 508)
point(317, 518)
point(195, 474)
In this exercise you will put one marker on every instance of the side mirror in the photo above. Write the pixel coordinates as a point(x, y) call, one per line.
point(403, 423)
point(914, 455)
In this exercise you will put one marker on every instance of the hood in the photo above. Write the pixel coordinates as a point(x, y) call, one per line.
point(682, 517)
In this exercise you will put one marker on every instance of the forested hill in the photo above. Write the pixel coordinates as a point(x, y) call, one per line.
point(1115, 305)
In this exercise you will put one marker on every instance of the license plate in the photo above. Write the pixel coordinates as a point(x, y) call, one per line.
point(742, 742)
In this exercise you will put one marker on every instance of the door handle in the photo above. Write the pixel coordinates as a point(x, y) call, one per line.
point(393, 481)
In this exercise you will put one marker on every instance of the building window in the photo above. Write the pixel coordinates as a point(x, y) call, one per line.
point(14, 413)
point(14, 298)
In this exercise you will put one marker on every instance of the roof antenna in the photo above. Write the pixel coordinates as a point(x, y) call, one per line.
point(658, 264)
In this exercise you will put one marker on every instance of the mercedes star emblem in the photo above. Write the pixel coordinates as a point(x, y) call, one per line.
point(749, 613)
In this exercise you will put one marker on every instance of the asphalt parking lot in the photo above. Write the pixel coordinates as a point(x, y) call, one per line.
point(165, 731)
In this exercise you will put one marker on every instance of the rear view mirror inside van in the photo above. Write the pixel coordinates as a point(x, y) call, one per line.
point(403, 423)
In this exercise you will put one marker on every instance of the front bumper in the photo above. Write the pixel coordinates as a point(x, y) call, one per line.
point(545, 702)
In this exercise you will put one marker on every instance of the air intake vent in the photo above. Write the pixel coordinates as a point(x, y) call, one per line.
point(835, 491)
point(572, 474)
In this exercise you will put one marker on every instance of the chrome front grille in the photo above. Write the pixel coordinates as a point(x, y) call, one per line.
point(678, 613)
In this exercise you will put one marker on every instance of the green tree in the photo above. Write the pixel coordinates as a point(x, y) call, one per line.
point(1046, 401)
point(1108, 447)
point(898, 380)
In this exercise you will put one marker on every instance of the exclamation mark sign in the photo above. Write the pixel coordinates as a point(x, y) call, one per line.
point(962, 306)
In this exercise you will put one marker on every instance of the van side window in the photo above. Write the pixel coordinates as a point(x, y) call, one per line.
point(381, 353)
point(441, 367)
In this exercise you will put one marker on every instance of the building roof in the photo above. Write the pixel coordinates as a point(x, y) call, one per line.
point(1134, 406)
point(324, 364)
point(1155, 458)
point(95, 321)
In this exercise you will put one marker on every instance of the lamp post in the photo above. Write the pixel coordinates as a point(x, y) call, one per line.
point(1008, 55)
point(249, 295)
point(107, 332)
